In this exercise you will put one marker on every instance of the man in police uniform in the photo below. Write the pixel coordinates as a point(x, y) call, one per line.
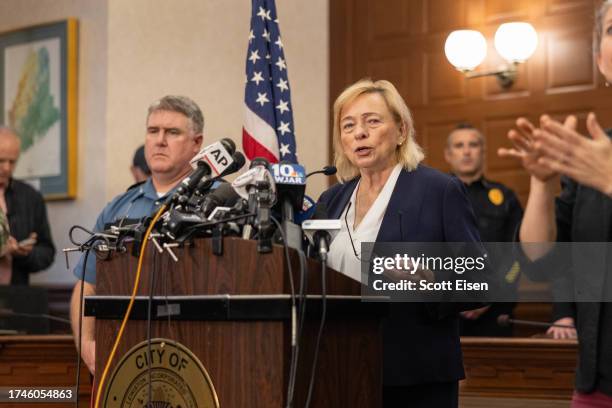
point(498, 214)
point(173, 136)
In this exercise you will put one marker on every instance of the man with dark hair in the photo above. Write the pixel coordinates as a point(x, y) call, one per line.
point(173, 136)
point(29, 248)
point(498, 214)
point(140, 169)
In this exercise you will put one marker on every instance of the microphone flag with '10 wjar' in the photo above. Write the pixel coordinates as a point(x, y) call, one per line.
point(290, 181)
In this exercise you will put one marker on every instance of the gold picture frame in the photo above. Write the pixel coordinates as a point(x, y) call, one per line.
point(38, 99)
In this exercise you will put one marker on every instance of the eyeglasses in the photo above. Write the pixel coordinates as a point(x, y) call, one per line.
point(348, 230)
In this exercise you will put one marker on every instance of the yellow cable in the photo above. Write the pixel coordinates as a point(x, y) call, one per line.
point(129, 309)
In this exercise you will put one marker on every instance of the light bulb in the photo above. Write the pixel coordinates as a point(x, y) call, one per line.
point(516, 42)
point(465, 49)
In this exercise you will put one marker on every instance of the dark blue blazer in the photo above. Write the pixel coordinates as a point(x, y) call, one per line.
point(421, 341)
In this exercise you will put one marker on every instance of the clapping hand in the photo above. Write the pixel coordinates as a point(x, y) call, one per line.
point(524, 140)
point(588, 160)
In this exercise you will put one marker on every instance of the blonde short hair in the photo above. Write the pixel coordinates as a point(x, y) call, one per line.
point(408, 154)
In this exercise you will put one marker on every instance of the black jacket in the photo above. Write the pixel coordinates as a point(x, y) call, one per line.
point(420, 341)
point(27, 213)
point(584, 274)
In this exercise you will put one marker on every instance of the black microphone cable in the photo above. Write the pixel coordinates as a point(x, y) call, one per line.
point(303, 297)
point(126, 316)
point(86, 247)
point(319, 335)
point(80, 327)
point(294, 339)
point(301, 314)
point(152, 280)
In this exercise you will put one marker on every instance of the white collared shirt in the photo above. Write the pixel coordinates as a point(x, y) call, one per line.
point(341, 256)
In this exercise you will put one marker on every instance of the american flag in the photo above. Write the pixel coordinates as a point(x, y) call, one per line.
point(268, 125)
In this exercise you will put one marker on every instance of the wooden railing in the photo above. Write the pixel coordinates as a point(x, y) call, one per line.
point(519, 369)
point(42, 361)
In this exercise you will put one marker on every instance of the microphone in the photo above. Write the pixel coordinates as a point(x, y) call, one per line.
point(176, 220)
point(258, 176)
point(204, 185)
point(217, 155)
point(258, 187)
point(318, 229)
point(505, 320)
point(238, 162)
point(222, 196)
point(208, 163)
point(290, 181)
point(327, 170)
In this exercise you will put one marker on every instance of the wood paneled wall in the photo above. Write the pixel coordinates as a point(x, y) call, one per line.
point(403, 41)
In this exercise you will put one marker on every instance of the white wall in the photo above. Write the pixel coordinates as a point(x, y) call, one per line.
point(198, 48)
point(133, 52)
point(92, 16)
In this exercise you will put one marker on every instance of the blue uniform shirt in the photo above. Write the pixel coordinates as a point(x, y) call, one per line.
point(139, 201)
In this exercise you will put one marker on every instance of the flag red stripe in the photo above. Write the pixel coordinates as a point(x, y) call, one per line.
point(252, 148)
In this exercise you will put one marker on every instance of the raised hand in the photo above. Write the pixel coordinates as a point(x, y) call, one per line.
point(586, 160)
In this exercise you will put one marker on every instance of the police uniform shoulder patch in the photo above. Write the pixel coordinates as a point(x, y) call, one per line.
point(496, 196)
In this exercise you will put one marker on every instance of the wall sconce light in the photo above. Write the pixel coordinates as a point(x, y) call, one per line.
point(515, 42)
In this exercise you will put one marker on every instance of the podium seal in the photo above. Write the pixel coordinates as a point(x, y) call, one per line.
point(178, 379)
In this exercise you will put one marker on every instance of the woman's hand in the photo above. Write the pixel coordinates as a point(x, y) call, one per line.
point(586, 160)
point(524, 140)
point(562, 332)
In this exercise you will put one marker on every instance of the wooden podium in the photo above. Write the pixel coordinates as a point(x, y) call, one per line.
point(233, 311)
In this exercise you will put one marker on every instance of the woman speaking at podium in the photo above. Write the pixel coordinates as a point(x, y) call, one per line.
point(386, 195)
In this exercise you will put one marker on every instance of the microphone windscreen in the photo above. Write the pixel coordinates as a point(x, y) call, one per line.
point(229, 145)
point(330, 170)
point(260, 161)
point(222, 196)
point(239, 160)
point(237, 163)
point(226, 194)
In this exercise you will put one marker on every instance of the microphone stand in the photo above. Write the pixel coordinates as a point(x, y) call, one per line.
point(505, 320)
point(263, 221)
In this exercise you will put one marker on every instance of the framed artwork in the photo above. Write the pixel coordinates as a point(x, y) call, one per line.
point(38, 99)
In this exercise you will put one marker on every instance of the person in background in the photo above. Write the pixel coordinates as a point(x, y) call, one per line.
point(498, 215)
point(581, 213)
point(29, 248)
point(139, 168)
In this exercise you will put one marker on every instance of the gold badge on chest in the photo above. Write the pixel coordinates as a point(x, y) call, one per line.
point(496, 196)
